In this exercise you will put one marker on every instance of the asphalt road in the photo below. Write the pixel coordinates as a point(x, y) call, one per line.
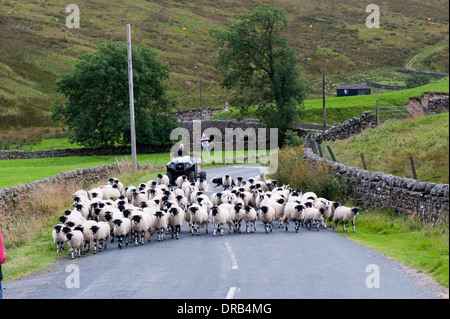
point(279, 265)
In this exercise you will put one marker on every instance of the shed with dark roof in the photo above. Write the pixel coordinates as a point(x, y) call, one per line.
point(353, 89)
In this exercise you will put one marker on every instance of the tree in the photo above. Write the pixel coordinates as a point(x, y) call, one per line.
point(256, 59)
point(97, 112)
point(415, 80)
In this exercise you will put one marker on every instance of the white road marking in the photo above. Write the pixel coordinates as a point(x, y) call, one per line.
point(231, 292)
point(234, 264)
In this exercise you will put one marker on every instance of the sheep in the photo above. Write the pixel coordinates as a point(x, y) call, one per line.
point(180, 180)
point(345, 214)
point(199, 217)
point(295, 212)
point(84, 208)
point(88, 236)
point(74, 240)
point(176, 218)
point(182, 201)
point(163, 179)
point(141, 222)
point(122, 228)
point(58, 237)
point(110, 191)
point(219, 217)
point(201, 184)
point(333, 206)
point(161, 222)
point(308, 195)
point(237, 215)
point(115, 181)
point(138, 198)
point(278, 205)
point(227, 182)
point(129, 192)
point(216, 199)
point(101, 232)
point(316, 215)
point(267, 216)
point(250, 217)
point(72, 218)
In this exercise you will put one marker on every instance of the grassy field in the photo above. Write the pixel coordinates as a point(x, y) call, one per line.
point(388, 147)
point(39, 47)
point(13, 172)
point(341, 108)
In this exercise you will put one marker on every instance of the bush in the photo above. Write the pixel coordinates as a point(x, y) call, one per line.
point(415, 80)
point(309, 177)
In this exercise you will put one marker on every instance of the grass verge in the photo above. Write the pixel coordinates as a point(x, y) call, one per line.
point(420, 246)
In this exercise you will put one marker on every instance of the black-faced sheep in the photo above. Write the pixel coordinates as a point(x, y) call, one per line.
point(345, 214)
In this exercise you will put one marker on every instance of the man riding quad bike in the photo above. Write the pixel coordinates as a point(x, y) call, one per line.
point(183, 164)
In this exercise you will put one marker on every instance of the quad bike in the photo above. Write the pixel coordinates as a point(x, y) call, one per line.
point(191, 166)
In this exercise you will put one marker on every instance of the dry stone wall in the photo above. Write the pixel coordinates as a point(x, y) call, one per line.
point(376, 190)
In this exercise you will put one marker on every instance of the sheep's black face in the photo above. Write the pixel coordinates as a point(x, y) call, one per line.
point(214, 211)
point(136, 219)
point(94, 229)
point(336, 204)
point(160, 176)
point(69, 236)
point(174, 211)
point(355, 211)
point(117, 222)
point(280, 201)
point(264, 209)
point(62, 219)
point(322, 210)
point(299, 208)
point(58, 228)
point(193, 210)
point(159, 214)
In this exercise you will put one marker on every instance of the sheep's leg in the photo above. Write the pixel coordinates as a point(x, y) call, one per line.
point(178, 229)
point(221, 230)
point(318, 225)
point(95, 246)
point(353, 223)
point(72, 252)
point(215, 230)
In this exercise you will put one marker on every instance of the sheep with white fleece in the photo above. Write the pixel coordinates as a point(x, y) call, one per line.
point(295, 212)
point(58, 237)
point(161, 222)
point(122, 228)
point(345, 214)
point(199, 217)
point(250, 219)
point(314, 214)
point(101, 232)
point(176, 217)
point(74, 240)
point(220, 215)
point(267, 216)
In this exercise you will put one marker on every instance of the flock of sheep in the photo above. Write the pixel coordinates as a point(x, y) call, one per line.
point(128, 214)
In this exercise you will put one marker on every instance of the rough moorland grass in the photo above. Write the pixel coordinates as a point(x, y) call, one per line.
point(388, 148)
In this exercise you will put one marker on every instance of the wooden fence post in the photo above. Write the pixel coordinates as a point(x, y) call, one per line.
point(331, 153)
point(413, 167)
point(363, 161)
point(118, 166)
point(320, 150)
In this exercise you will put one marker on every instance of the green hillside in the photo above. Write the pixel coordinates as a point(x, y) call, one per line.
point(37, 47)
point(388, 148)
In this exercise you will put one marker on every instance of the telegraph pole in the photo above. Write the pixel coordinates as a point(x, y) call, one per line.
point(130, 84)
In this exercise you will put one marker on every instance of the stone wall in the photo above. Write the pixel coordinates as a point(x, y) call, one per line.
point(7, 155)
point(385, 86)
point(15, 198)
point(432, 74)
point(376, 190)
point(439, 105)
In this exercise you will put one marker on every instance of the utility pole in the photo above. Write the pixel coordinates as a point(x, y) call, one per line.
point(324, 109)
point(201, 107)
point(130, 87)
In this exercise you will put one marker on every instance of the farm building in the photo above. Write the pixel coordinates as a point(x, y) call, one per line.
point(353, 89)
